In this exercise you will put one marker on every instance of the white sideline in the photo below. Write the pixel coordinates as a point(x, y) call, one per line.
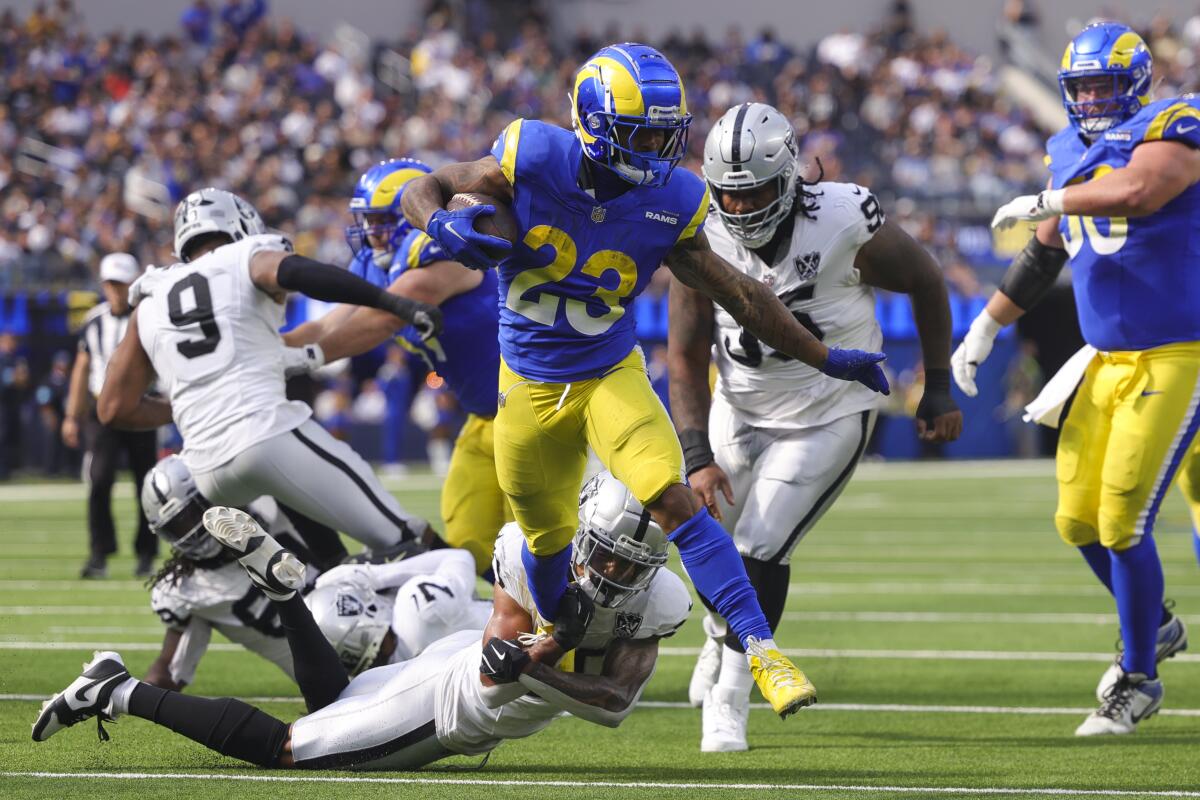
point(576, 784)
point(870, 708)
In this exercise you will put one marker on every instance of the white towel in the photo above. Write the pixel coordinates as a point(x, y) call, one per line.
point(1047, 408)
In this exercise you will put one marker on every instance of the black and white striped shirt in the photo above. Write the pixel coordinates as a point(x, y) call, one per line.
point(101, 333)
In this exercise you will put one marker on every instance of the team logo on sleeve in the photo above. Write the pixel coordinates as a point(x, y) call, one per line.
point(627, 625)
point(807, 265)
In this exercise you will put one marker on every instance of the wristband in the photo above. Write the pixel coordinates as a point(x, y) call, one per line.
point(697, 453)
point(937, 379)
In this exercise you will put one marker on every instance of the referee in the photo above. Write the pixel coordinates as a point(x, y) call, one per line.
point(103, 329)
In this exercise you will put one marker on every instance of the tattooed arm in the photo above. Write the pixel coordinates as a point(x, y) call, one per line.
point(426, 194)
point(604, 699)
point(753, 305)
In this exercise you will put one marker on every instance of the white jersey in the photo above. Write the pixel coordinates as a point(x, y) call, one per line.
point(223, 598)
point(464, 722)
point(213, 338)
point(817, 281)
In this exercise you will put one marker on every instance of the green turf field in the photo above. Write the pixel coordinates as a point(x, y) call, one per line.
point(954, 640)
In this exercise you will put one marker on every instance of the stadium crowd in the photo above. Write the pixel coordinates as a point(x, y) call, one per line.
point(102, 133)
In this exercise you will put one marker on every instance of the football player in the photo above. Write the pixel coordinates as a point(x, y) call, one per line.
point(464, 695)
point(208, 328)
point(599, 209)
point(781, 440)
point(465, 354)
point(1121, 204)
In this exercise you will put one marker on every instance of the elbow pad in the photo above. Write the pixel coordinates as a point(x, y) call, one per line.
point(1032, 273)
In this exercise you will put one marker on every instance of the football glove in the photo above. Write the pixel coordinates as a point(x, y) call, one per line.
point(302, 360)
point(1030, 208)
point(575, 613)
point(503, 660)
point(936, 400)
point(857, 365)
point(976, 346)
point(455, 232)
point(426, 319)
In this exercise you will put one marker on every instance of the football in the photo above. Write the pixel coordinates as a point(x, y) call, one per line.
point(502, 224)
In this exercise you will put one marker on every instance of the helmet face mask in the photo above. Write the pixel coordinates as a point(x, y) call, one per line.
point(1105, 77)
point(174, 509)
point(355, 619)
point(379, 223)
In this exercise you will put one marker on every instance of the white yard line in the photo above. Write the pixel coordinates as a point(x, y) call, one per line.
point(635, 785)
point(70, 611)
point(955, 617)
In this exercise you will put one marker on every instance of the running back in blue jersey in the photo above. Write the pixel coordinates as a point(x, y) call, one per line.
point(466, 354)
point(1136, 282)
point(565, 289)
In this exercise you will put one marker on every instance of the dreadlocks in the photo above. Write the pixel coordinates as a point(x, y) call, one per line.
point(808, 202)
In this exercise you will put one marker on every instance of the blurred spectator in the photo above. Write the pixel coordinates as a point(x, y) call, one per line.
point(14, 394)
point(1022, 382)
point(197, 23)
point(51, 398)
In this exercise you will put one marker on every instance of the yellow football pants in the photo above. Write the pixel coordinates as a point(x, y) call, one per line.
point(543, 431)
point(1189, 482)
point(1129, 429)
point(473, 507)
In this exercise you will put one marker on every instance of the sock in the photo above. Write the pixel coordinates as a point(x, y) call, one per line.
point(320, 673)
point(1138, 585)
point(224, 724)
point(119, 699)
point(735, 671)
point(716, 569)
point(1097, 557)
point(770, 582)
point(547, 578)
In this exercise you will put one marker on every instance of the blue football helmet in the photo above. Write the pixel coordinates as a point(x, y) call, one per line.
point(378, 192)
point(620, 92)
point(1105, 50)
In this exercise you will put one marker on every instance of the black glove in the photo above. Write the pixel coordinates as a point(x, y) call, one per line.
point(575, 613)
point(936, 400)
point(503, 660)
point(425, 318)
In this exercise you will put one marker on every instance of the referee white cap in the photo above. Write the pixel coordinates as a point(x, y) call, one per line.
point(119, 267)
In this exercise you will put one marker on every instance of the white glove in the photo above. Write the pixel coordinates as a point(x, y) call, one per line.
point(143, 286)
point(358, 574)
point(302, 360)
point(1030, 207)
point(975, 348)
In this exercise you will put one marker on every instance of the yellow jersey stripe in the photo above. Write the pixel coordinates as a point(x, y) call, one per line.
point(508, 159)
point(1164, 118)
point(697, 218)
point(414, 250)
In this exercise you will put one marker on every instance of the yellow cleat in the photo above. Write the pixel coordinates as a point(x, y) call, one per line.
point(781, 682)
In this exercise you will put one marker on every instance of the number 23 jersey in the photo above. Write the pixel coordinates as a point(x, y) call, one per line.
point(565, 289)
point(817, 280)
point(213, 338)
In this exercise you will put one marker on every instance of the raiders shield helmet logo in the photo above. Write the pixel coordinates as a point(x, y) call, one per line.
point(348, 605)
point(627, 625)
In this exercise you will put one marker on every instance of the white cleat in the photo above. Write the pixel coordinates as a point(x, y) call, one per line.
point(271, 568)
point(1133, 698)
point(708, 665)
point(1172, 639)
point(87, 696)
point(726, 712)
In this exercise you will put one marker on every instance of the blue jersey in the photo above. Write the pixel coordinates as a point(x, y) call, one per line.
point(363, 265)
point(1136, 281)
point(566, 288)
point(466, 354)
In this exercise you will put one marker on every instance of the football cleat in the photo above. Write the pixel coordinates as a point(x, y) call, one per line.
point(1172, 639)
point(95, 568)
point(781, 682)
point(271, 568)
point(87, 696)
point(708, 665)
point(726, 712)
point(1133, 698)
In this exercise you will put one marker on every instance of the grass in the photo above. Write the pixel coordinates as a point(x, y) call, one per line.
point(914, 572)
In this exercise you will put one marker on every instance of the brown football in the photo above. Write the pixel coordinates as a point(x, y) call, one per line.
point(502, 224)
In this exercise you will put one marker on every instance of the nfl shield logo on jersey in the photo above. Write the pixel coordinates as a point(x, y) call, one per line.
point(807, 265)
point(627, 625)
point(598, 214)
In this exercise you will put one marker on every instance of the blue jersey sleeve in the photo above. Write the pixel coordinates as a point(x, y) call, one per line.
point(416, 250)
point(695, 200)
point(1178, 122)
point(505, 149)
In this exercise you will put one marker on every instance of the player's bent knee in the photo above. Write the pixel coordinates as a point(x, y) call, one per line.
point(547, 543)
point(1075, 532)
point(674, 506)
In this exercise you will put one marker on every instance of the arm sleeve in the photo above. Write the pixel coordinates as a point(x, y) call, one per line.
point(451, 561)
point(192, 646)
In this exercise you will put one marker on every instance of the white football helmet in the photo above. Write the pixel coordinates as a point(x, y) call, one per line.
point(354, 618)
point(749, 146)
point(618, 547)
point(174, 507)
point(214, 211)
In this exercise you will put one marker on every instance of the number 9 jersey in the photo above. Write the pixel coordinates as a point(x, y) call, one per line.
point(566, 287)
point(213, 338)
point(1135, 280)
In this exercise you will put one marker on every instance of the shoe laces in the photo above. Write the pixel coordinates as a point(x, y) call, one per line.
point(779, 671)
point(1117, 699)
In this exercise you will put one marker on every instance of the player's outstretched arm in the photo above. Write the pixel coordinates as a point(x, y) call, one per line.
point(605, 699)
point(892, 260)
point(1028, 279)
point(760, 312)
point(424, 205)
point(689, 342)
point(123, 402)
point(1157, 173)
point(159, 672)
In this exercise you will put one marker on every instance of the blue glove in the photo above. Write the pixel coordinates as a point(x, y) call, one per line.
point(857, 365)
point(455, 232)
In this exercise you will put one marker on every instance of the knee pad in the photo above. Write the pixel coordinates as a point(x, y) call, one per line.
point(1075, 532)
